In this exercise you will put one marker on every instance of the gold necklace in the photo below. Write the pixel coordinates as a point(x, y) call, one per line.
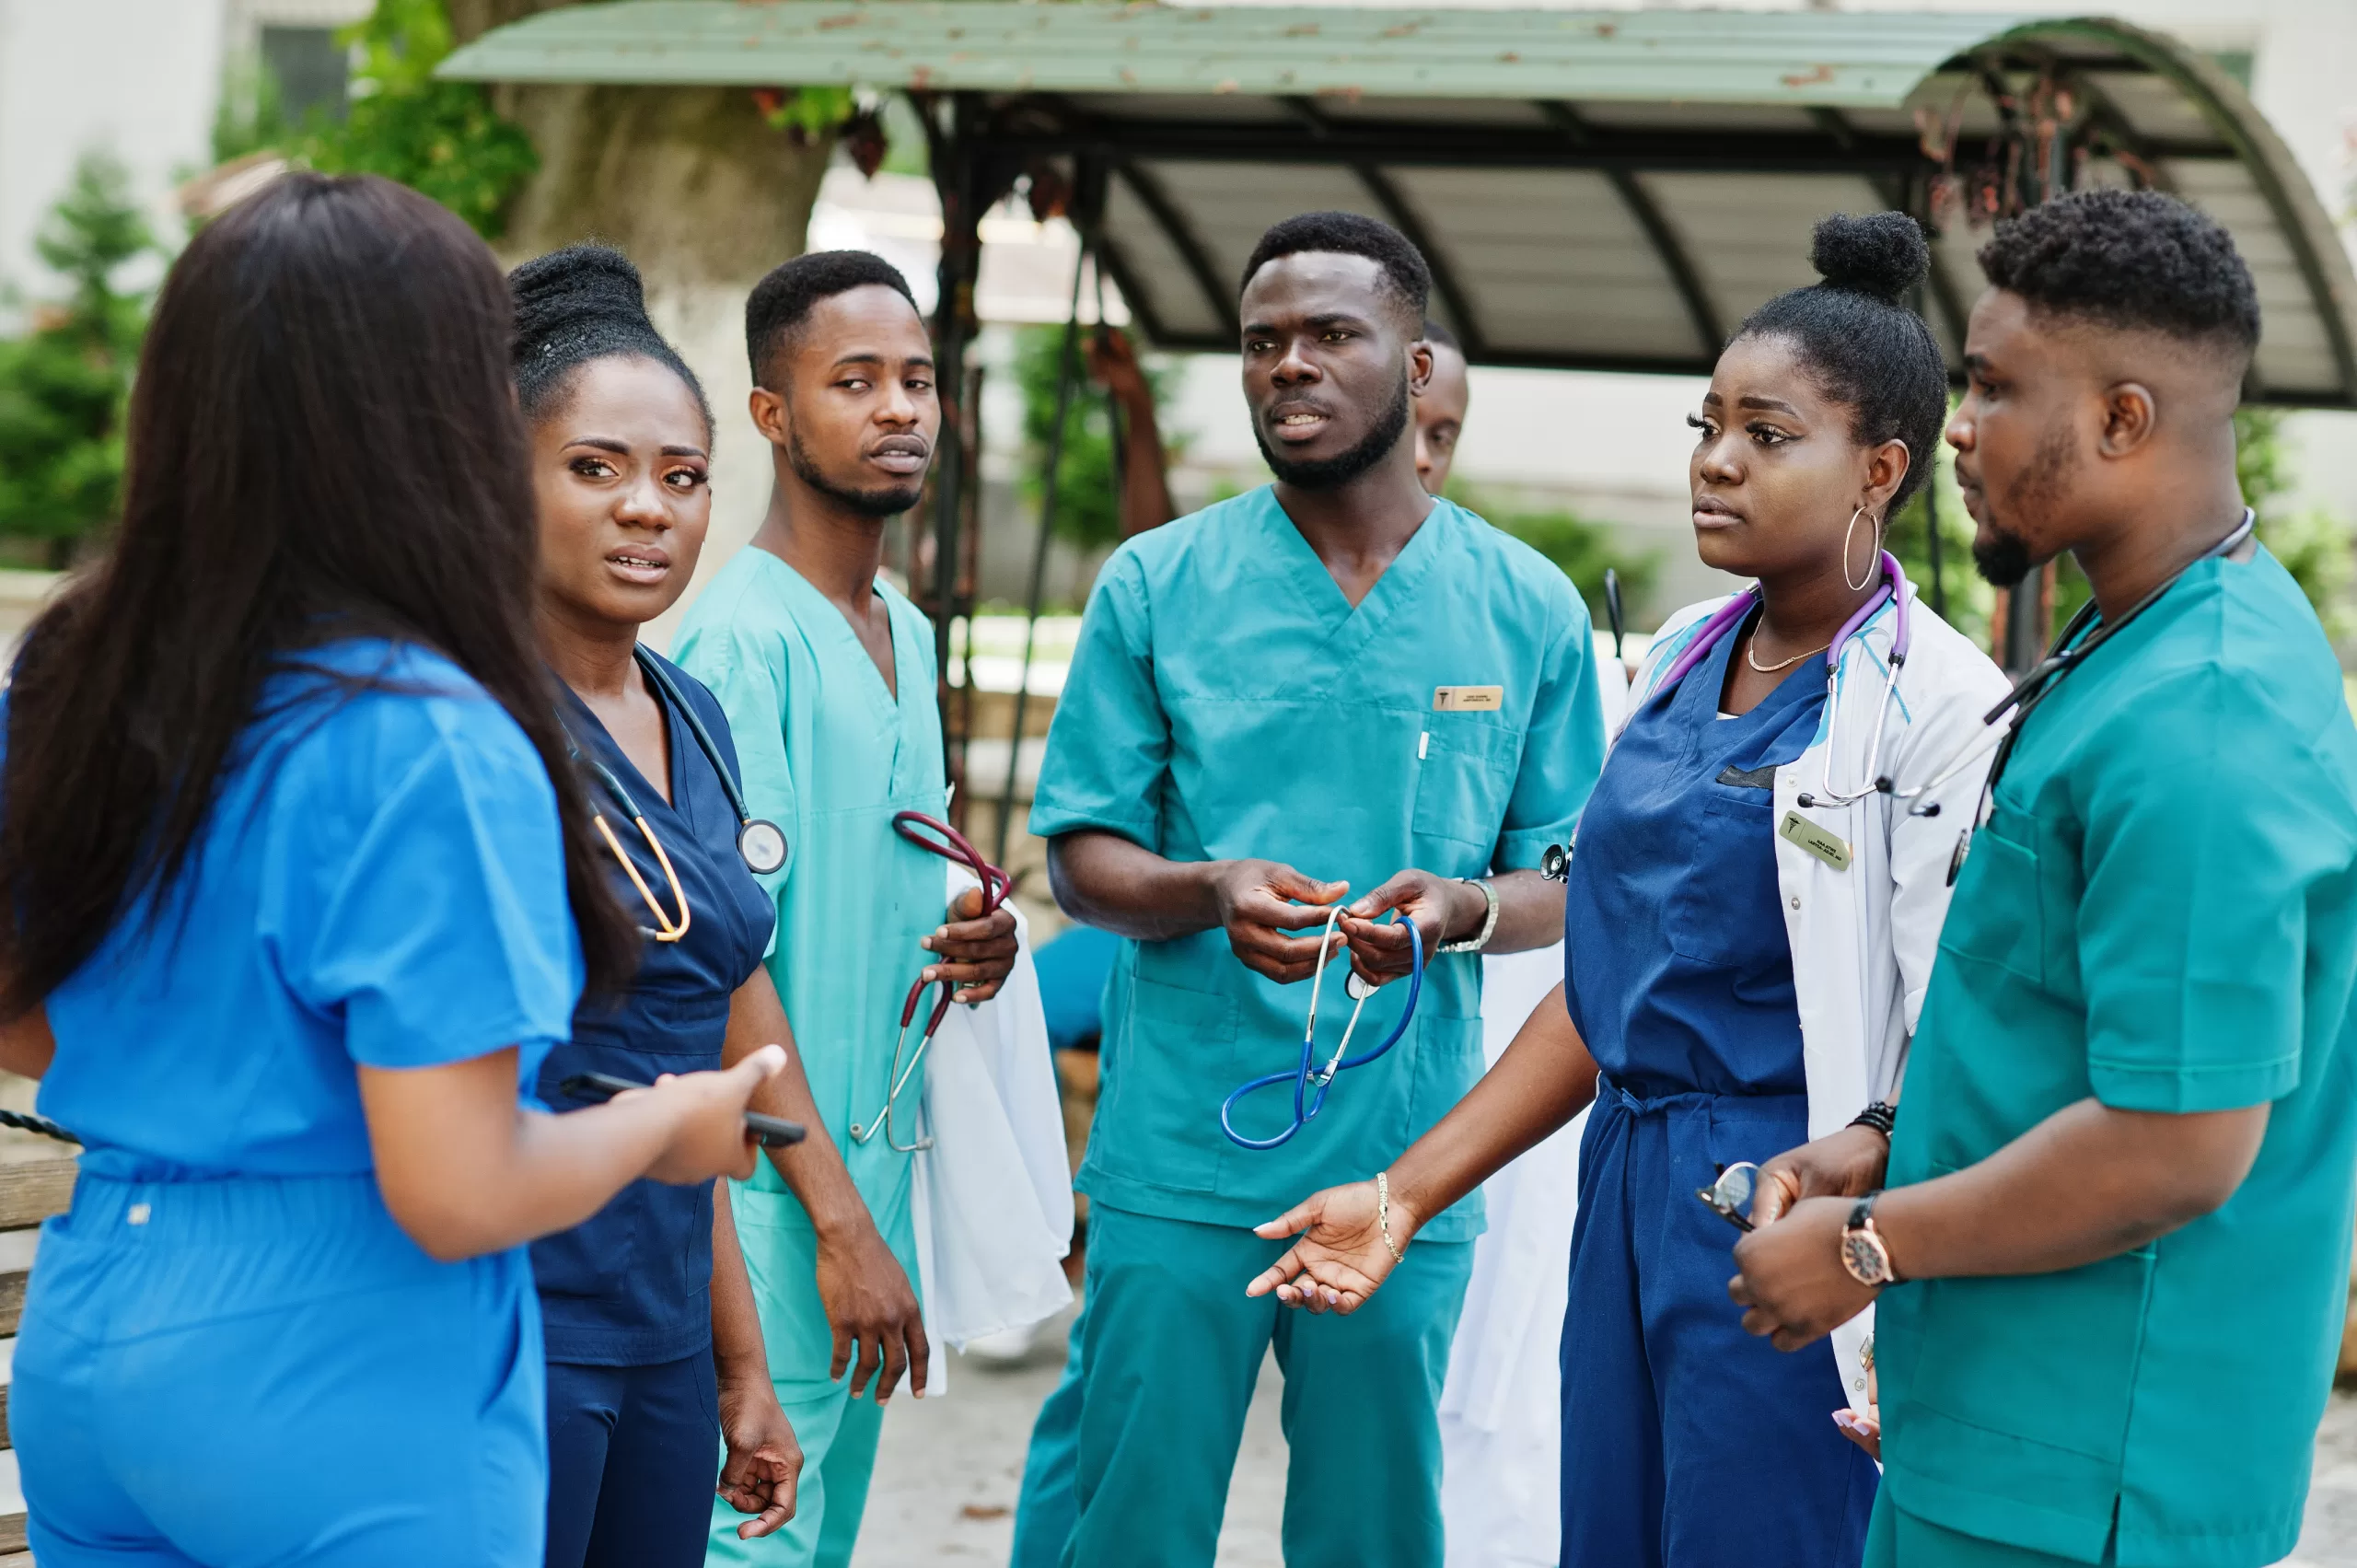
point(1751, 656)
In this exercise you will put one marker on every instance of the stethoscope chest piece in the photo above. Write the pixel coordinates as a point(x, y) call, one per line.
point(762, 844)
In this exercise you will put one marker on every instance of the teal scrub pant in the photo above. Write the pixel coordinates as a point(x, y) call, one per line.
point(838, 1433)
point(1046, 1510)
point(1898, 1540)
point(1170, 1347)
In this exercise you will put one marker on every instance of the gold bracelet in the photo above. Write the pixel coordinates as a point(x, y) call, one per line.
point(1383, 1214)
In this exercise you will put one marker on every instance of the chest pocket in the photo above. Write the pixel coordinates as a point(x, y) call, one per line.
point(1996, 916)
point(1463, 782)
point(1723, 910)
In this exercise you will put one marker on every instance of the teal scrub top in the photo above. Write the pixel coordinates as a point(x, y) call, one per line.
point(1227, 701)
point(828, 753)
point(2161, 913)
point(381, 883)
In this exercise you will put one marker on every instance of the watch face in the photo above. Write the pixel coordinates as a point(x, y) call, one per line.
point(1864, 1255)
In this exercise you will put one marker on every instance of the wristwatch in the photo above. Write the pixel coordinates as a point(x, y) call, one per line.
point(1488, 923)
point(1863, 1250)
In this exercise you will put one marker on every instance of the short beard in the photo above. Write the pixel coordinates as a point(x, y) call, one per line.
point(888, 500)
point(1332, 473)
point(2006, 558)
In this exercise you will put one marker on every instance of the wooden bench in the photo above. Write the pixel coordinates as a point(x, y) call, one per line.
point(30, 1191)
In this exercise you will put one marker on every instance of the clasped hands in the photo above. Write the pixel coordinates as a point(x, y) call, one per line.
point(1262, 902)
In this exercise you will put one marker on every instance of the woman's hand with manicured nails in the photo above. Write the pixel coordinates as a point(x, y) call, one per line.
point(1844, 1164)
point(710, 1137)
point(1340, 1259)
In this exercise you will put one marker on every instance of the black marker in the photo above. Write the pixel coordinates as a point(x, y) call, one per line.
point(769, 1132)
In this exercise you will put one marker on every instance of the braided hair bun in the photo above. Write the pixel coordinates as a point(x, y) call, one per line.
point(1881, 255)
point(582, 303)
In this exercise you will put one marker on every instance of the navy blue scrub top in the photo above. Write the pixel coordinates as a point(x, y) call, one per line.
point(632, 1286)
point(1677, 970)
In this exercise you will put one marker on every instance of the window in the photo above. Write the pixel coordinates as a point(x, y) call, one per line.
point(309, 67)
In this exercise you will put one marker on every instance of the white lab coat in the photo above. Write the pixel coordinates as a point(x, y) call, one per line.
point(1864, 940)
point(993, 1198)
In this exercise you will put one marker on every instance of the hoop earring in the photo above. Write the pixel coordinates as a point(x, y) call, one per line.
point(1846, 534)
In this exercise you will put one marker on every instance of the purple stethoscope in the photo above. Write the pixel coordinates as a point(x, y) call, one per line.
point(1895, 592)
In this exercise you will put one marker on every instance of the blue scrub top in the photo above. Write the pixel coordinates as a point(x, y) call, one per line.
point(632, 1285)
point(1225, 701)
point(1677, 970)
point(381, 881)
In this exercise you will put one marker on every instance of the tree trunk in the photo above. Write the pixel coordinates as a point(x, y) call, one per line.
point(690, 181)
point(696, 188)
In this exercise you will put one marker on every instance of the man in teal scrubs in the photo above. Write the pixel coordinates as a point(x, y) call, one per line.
point(1276, 704)
point(2120, 1187)
point(1046, 1510)
point(827, 675)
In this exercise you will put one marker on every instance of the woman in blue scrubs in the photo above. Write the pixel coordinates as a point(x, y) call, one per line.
point(1748, 928)
point(653, 1348)
point(301, 890)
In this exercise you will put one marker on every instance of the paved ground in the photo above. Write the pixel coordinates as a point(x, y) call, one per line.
point(945, 1485)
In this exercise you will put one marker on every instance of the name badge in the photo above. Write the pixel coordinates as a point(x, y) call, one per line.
point(1467, 699)
point(1811, 839)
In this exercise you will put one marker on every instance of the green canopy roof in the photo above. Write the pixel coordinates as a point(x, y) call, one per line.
point(1605, 190)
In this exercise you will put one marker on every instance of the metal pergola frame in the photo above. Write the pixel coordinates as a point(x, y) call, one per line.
point(1102, 100)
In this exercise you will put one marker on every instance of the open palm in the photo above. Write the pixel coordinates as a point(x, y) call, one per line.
point(1339, 1256)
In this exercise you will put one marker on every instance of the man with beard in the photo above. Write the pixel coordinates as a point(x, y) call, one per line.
point(827, 675)
point(2119, 1186)
point(1275, 705)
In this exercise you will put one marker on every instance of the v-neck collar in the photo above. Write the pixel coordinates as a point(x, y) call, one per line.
point(674, 739)
point(1351, 627)
point(892, 693)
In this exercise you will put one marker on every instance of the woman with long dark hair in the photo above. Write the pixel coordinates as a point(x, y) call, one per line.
point(1749, 922)
point(300, 887)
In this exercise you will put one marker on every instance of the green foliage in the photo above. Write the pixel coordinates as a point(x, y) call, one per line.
point(441, 138)
point(1089, 500)
point(65, 383)
point(2313, 545)
point(1580, 548)
point(1966, 597)
point(251, 116)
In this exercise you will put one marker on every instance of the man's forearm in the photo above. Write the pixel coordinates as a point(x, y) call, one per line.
point(1104, 880)
point(812, 1170)
point(1530, 912)
point(1145, 480)
point(2087, 1183)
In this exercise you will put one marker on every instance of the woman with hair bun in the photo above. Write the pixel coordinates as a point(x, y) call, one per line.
point(1749, 924)
point(655, 1351)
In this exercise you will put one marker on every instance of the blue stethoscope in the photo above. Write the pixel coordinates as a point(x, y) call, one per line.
point(1311, 1082)
point(1894, 591)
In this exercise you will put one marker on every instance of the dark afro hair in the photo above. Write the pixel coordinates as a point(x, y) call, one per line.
point(783, 300)
point(1861, 345)
point(582, 303)
point(1405, 276)
point(1436, 334)
point(2132, 260)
